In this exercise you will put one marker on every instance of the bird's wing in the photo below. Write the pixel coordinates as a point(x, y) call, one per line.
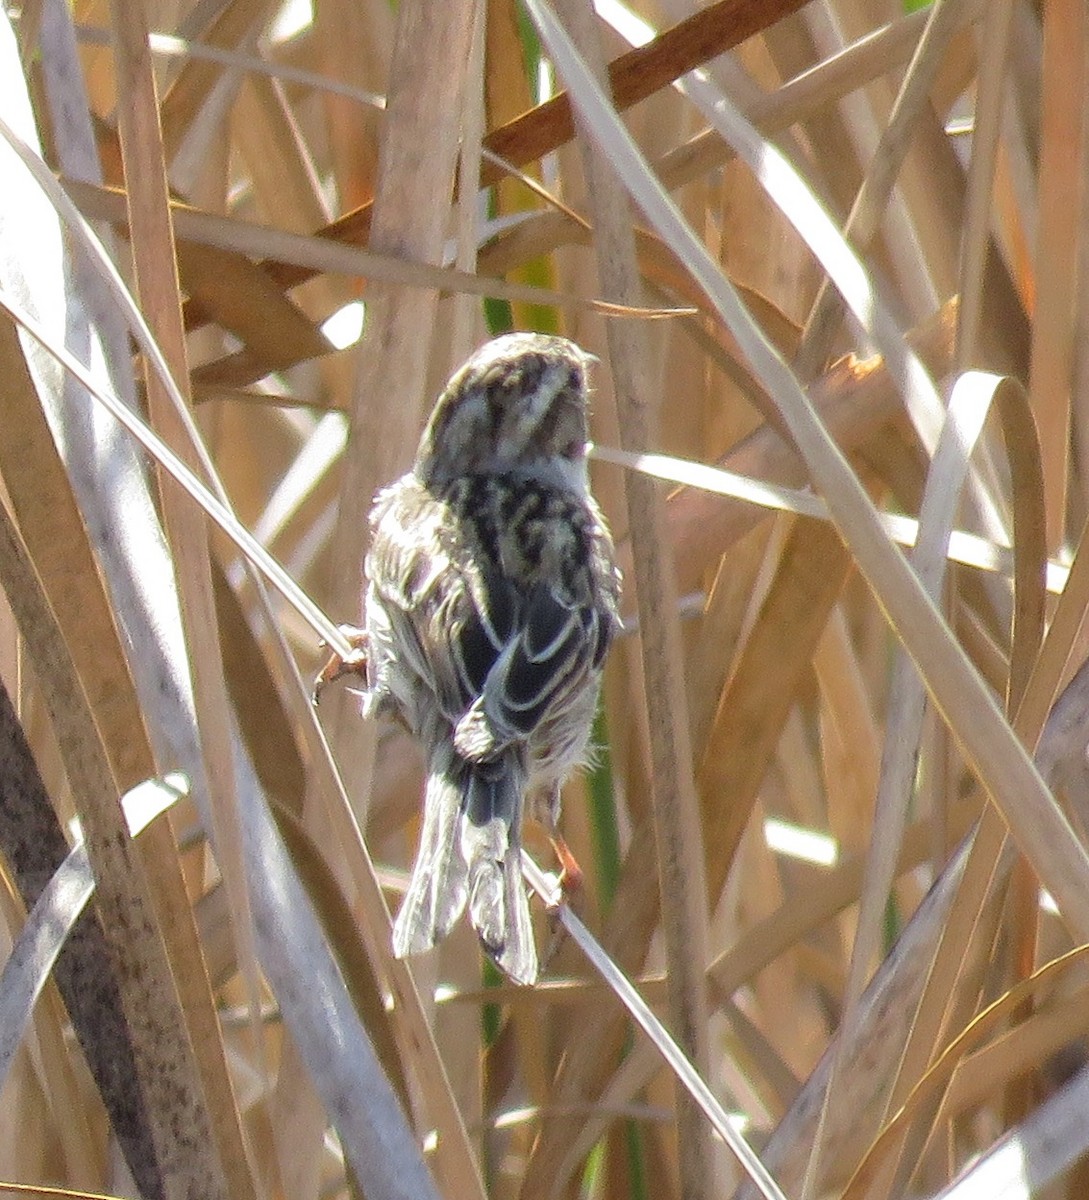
point(445, 621)
point(496, 659)
point(554, 646)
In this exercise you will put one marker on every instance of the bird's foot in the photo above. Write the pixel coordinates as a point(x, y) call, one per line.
point(339, 665)
point(571, 877)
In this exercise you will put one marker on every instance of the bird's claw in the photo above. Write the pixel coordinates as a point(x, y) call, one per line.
point(339, 665)
point(571, 880)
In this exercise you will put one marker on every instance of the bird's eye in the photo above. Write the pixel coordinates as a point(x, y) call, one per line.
point(573, 449)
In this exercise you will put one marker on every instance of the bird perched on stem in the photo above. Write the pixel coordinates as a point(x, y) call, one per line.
point(491, 601)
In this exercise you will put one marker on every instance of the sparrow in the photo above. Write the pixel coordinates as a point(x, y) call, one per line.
point(492, 597)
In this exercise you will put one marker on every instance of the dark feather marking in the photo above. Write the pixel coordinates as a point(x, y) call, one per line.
point(550, 418)
point(546, 620)
point(500, 612)
point(487, 795)
point(525, 718)
point(476, 654)
point(485, 632)
point(529, 682)
point(604, 637)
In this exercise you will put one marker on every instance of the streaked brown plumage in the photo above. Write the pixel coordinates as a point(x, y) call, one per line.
point(491, 601)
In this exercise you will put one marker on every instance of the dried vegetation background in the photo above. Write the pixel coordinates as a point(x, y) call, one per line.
point(795, 834)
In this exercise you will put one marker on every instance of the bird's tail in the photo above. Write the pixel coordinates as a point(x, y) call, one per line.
point(437, 891)
point(470, 851)
point(491, 841)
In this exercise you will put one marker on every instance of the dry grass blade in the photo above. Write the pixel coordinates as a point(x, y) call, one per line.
point(686, 1073)
point(998, 25)
point(1025, 1161)
point(184, 477)
point(53, 920)
point(411, 208)
point(157, 289)
point(277, 246)
point(943, 20)
point(635, 76)
point(55, 534)
point(969, 406)
point(764, 687)
point(163, 1055)
point(957, 1055)
point(761, 495)
point(1062, 151)
point(677, 827)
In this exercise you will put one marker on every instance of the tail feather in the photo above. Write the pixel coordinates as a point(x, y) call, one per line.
point(518, 957)
point(470, 852)
point(491, 845)
point(485, 849)
point(438, 889)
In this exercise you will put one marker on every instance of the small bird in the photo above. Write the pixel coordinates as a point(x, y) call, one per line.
point(491, 600)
